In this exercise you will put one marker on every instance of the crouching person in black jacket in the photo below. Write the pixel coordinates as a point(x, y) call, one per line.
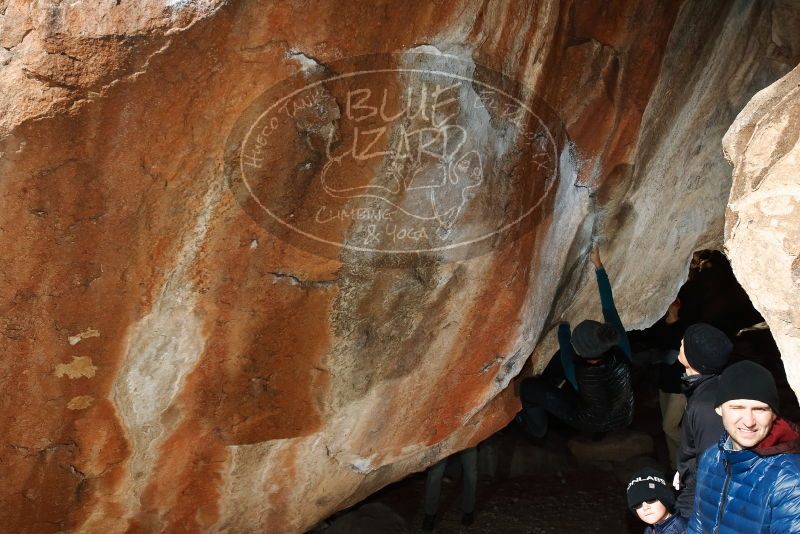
point(595, 357)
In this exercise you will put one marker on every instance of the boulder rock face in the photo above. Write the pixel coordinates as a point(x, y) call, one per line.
point(210, 320)
point(762, 227)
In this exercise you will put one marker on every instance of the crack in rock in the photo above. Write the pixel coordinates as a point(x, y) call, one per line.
point(297, 281)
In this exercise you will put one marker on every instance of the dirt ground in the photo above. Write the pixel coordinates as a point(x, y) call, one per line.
point(573, 502)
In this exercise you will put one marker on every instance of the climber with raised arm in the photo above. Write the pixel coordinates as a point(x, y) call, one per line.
point(597, 395)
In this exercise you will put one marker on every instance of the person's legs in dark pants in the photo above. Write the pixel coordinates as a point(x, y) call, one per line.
point(554, 372)
point(433, 488)
point(469, 470)
point(540, 397)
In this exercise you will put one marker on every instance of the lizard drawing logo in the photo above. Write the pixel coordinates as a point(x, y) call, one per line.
point(396, 155)
point(430, 174)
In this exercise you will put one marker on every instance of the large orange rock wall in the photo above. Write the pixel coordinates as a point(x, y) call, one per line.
point(170, 365)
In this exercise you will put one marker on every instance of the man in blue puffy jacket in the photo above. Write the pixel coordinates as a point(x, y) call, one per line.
point(749, 482)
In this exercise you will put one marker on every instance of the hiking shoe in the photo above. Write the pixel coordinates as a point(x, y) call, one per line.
point(468, 519)
point(428, 522)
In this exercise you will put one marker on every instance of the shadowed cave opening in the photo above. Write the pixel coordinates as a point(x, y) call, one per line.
point(569, 481)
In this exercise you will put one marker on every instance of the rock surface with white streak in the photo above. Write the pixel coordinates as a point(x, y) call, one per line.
point(762, 235)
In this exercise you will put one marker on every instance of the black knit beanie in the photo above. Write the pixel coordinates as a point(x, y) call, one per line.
point(748, 380)
point(707, 349)
point(591, 339)
point(648, 484)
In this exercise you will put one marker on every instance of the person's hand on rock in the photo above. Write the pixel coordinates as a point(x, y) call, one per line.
point(672, 316)
point(595, 256)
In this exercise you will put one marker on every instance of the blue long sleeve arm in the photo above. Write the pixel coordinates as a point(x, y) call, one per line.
point(610, 313)
point(567, 354)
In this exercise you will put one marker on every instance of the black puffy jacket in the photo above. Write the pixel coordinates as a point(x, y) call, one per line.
point(700, 429)
point(605, 394)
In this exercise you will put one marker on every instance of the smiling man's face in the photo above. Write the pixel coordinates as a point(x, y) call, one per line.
point(746, 421)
